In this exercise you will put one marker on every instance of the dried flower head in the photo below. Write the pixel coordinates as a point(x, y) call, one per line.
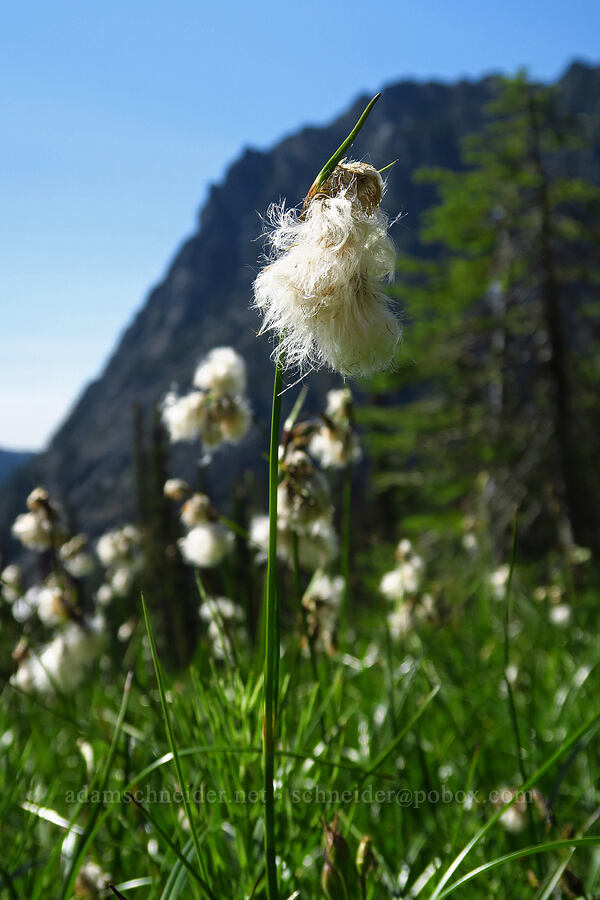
point(75, 557)
point(61, 665)
point(225, 621)
point(222, 371)
point(303, 495)
point(197, 511)
point(317, 544)
point(322, 600)
point(11, 583)
point(176, 489)
point(205, 546)
point(183, 417)
point(34, 528)
point(321, 291)
point(217, 412)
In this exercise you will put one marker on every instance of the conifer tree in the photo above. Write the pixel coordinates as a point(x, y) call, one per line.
point(503, 330)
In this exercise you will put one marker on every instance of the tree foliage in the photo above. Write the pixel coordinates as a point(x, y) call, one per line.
point(502, 331)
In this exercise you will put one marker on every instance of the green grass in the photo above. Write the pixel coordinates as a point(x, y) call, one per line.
point(390, 741)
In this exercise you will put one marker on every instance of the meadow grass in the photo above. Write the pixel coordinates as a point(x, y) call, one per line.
point(408, 746)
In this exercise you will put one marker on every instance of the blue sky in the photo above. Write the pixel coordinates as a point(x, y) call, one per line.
point(117, 115)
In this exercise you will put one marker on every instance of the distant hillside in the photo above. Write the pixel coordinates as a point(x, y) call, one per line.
point(204, 299)
point(11, 460)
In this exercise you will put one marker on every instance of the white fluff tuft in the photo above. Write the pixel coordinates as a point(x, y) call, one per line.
point(222, 371)
point(321, 292)
point(206, 545)
point(183, 417)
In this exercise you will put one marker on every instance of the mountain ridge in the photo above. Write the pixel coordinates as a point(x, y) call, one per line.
point(204, 298)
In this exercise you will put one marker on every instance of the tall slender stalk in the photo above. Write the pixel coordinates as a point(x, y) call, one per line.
point(271, 669)
point(345, 560)
point(272, 640)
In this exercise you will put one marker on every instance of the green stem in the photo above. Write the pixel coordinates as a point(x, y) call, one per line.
point(272, 640)
point(339, 153)
point(345, 561)
point(302, 608)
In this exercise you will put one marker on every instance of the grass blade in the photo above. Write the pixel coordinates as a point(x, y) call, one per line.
point(499, 812)
point(173, 747)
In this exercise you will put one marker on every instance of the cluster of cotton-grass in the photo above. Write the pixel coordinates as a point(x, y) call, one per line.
point(559, 611)
point(322, 601)
point(321, 291)
point(38, 528)
point(217, 410)
point(334, 443)
point(401, 586)
point(207, 541)
point(61, 663)
point(121, 553)
point(305, 514)
point(226, 626)
point(91, 882)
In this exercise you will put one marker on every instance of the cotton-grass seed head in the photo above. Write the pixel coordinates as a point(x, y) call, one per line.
point(303, 495)
point(176, 489)
point(205, 546)
point(11, 583)
point(197, 510)
point(76, 558)
point(222, 371)
point(183, 417)
point(321, 291)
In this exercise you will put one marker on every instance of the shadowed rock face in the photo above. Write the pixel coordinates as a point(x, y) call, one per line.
point(204, 300)
point(10, 460)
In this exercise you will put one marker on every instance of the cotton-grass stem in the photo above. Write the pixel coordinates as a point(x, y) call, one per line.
point(271, 668)
point(272, 639)
point(512, 708)
point(339, 153)
point(345, 560)
point(299, 597)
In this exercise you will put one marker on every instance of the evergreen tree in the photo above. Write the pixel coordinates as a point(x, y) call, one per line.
point(503, 331)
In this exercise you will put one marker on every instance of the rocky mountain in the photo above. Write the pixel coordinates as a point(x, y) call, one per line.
point(204, 300)
point(10, 460)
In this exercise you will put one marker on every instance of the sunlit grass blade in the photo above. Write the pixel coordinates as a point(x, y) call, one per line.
point(93, 823)
point(518, 793)
point(545, 847)
point(339, 153)
point(173, 747)
point(177, 881)
point(271, 661)
point(170, 844)
point(469, 785)
point(381, 758)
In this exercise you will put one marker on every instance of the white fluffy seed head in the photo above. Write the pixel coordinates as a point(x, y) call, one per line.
point(120, 545)
point(333, 449)
point(176, 488)
point(222, 371)
point(91, 881)
point(234, 418)
point(183, 417)
point(195, 510)
point(216, 608)
point(303, 495)
point(400, 620)
point(339, 405)
point(34, 530)
point(51, 607)
point(402, 580)
point(11, 583)
point(321, 291)
point(498, 581)
point(61, 664)
point(205, 546)
point(75, 557)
